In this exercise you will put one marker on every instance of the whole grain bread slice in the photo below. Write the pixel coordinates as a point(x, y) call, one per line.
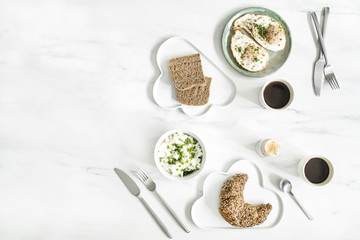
point(186, 72)
point(195, 96)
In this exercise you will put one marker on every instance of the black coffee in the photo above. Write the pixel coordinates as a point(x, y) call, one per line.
point(316, 170)
point(276, 95)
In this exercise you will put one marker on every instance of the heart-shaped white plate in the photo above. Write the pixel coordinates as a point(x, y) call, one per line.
point(205, 213)
point(222, 89)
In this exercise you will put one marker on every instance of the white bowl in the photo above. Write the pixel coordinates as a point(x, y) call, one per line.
point(168, 175)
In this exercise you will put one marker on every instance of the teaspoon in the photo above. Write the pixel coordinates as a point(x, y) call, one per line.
point(285, 186)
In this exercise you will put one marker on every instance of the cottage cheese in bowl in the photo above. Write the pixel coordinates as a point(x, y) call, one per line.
point(179, 155)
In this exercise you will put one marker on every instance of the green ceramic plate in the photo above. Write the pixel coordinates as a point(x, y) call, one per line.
point(277, 59)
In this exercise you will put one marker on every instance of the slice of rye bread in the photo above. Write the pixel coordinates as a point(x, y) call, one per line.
point(195, 96)
point(186, 72)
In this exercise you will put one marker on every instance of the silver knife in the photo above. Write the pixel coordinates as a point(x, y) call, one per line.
point(135, 190)
point(318, 78)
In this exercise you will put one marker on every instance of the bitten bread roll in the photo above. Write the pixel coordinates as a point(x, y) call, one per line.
point(233, 208)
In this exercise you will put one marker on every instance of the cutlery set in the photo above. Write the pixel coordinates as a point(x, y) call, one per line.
point(151, 186)
point(322, 66)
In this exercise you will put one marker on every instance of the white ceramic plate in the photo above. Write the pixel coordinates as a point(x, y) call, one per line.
point(205, 212)
point(222, 89)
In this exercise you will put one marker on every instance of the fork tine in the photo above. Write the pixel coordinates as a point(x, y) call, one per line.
point(132, 167)
point(139, 176)
point(333, 82)
point(333, 79)
point(330, 82)
point(336, 82)
point(143, 173)
point(333, 86)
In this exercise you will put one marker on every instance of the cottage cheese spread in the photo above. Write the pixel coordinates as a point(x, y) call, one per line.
point(180, 154)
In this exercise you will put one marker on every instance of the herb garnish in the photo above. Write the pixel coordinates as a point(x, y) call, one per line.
point(262, 30)
point(187, 141)
point(171, 160)
point(185, 156)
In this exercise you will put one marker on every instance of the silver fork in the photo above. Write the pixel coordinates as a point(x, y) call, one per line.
point(328, 70)
point(151, 186)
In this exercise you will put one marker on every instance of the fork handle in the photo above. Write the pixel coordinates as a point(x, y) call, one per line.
point(171, 211)
point(157, 219)
point(318, 30)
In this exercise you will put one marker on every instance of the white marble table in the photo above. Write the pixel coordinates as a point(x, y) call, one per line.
point(76, 101)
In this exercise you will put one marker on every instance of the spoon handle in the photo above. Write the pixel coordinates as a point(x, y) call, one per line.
point(301, 206)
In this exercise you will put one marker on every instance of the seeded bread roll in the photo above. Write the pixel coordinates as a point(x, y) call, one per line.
point(195, 96)
point(233, 208)
point(186, 72)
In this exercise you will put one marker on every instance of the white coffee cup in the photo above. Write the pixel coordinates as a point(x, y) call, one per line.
point(263, 100)
point(316, 170)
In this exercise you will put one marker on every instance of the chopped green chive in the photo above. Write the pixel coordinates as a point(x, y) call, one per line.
point(187, 141)
point(262, 30)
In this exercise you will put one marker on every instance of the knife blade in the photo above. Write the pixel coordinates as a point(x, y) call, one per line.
point(135, 190)
point(318, 77)
point(128, 182)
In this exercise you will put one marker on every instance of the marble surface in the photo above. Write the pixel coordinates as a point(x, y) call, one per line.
point(76, 81)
